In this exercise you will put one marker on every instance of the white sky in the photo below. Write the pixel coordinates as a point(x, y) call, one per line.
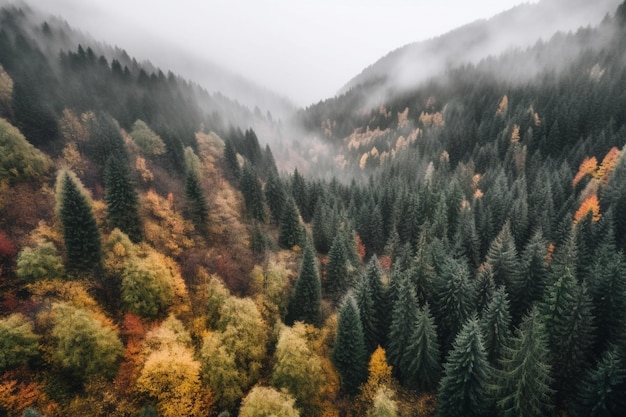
point(303, 49)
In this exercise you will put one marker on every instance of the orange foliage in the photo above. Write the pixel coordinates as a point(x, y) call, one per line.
point(550, 253)
point(587, 167)
point(16, 396)
point(609, 162)
point(515, 135)
point(590, 205)
point(503, 106)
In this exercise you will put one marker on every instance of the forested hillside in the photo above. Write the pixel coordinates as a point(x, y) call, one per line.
point(469, 261)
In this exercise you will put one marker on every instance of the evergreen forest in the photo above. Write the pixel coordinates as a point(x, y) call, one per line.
point(456, 248)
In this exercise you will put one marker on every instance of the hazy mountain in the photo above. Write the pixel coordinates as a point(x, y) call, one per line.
point(519, 27)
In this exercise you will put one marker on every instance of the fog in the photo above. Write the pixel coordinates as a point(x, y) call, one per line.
point(304, 51)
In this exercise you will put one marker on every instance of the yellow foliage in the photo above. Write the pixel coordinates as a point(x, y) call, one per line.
point(590, 205)
point(72, 128)
point(503, 106)
point(403, 118)
point(72, 158)
point(169, 334)
point(172, 378)
point(6, 89)
point(265, 401)
point(379, 369)
point(429, 120)
point(515, 134)
point(146, 175)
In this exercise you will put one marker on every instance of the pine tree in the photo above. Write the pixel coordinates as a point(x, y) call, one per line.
point(350, 355)
point(602, 392)
point(198, 206)
point(421, 357)
point(375, 311)
point(523, 384)
point(290, 231)
point(494, 323)
point(337, 269)
point(252, 193)
point(464, 387)
point(530, 284)
point(370, 321)
point(122, 199)
point(300, 195)
point(230, 157)
point(275, 196)
point(484, 286)
point(403, 319)
point(80, 231)
point(502, 256)
point(307, 294)
point(455, 300)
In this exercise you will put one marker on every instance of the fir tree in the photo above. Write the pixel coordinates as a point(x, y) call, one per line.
point(300, 195)
point(307, 295)
point(198, 206)
point(122, 199)
point(80, 231)
point(494, 323)
point(230, 157)
point(290, 231)
point(252, 193)
point(502, 256)
point(403, 318)
point(523, 384)
point(530, 284)
point(370, 321)
point(350, 355)
point(602, 392)
point(421, 357)
point(464, 387)
point(375, 303)
point(484, 286)
point(337, 269)
point(275, 196)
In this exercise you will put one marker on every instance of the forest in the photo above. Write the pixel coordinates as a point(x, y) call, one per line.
point(156, 259)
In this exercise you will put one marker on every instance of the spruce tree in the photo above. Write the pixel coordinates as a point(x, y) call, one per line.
point(494, 323)
point(252, 193)
point(523, 383)
point(350, 355)
point(80, 231)
point(307, 295)
point(370, 321)
point(503, 258)
point(122, 199)
point(374, 306)
point(403, 318)
point(230, 157)
point(484, 286)
point(275, 196)
point(290, 231)
point(464, 387)
point(198, 208)
point(530, 284)
point(455, 298)
point(421, 358)
point(602, 392)
point(300, 195)
point(337, 269)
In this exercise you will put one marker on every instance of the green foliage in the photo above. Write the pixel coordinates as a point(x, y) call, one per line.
point(267, 402)
point(403, 320)
point(41, 262)
point(290, 232)
point(80, 231)
point(83, 346)
point(276, 197)
point(230, 156)
point(149, 142)
point(147, 286)
point(198, 207)
point(297, 369)
point(18, 343)
point(350, 354)
point(464, 388)
point(384, 405)
point(374, 308)
point(105, 139)
point(305, 303)
point(338, 276)
point(421, 358)
point(122, 199)
point(252, 193)
point(495, 323)
point(503, 258)
point(19, 160)
point(524, 380)
point(531, 283)
point(603, 390)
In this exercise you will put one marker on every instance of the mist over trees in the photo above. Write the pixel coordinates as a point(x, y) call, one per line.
point(156, 260)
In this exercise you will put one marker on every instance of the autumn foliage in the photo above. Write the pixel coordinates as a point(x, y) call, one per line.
point(590, 205)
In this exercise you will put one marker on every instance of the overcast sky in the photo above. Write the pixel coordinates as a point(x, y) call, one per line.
point(303, 49)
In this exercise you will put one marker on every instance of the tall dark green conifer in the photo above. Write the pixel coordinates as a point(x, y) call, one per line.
point(502, 256)
point(307, 295)
point(603, 390)
point(122, 199)
point(290, 230)
point(530, 284)
point(403, 318)
point(494, 323)
point(198, 208)
point(80, 231)
point(275, 196)
point(464, 387)
point(337, 269)
point(421, 358)
point(350, 356)
point(252, 193)
point(523, 383)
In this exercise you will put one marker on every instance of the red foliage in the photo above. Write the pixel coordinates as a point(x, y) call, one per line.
point(385, 262)
point(7, 248)
point(360, 247)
